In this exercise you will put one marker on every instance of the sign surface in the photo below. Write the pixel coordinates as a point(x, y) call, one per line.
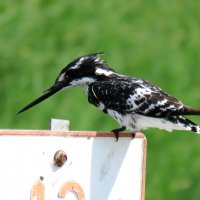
point(96, 167)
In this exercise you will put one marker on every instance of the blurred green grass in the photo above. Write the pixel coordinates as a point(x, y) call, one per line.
point(155, 40)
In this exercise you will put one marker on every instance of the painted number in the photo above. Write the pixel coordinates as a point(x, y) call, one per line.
point(38, 190)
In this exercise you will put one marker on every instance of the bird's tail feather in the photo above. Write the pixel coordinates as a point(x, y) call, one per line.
point(190, 111)
point(185, 123)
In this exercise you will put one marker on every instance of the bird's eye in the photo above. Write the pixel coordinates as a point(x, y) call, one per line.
point(71, 72)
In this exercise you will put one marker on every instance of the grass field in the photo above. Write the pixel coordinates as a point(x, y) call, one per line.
point(155, 40)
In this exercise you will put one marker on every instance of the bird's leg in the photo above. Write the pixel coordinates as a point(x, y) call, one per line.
point(133, 135)
point(116, 132)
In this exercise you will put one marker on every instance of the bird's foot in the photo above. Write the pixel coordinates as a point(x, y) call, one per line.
point(116, 132)
point(133, 135)
point(116, 136)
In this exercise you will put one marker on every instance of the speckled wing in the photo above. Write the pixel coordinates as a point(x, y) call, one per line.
point(136, 96)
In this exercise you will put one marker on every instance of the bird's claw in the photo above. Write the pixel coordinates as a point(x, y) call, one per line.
point(116, 136)
point(116, 132)
point(133, 135)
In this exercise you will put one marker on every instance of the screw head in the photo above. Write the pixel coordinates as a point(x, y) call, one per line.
point(60, 158)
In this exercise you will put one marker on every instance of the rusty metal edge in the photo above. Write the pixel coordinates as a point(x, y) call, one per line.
point(65, 133)
point(144, 168)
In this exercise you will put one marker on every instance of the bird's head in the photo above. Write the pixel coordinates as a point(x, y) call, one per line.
point(84, 70)
point(80, 72)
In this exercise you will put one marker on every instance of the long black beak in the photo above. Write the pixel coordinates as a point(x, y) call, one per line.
point(52, 90)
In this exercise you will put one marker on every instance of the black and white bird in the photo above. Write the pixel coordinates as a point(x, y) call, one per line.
point(135, 103)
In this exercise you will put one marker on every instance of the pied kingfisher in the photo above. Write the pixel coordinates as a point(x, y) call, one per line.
point(135, 103)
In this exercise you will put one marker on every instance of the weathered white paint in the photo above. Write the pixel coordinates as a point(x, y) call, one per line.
point(105, 169)
point(59, 125)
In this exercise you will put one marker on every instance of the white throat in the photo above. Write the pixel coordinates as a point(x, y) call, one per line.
point(83, 82)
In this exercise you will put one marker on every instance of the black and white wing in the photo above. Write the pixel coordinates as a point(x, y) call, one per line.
point(135, 96)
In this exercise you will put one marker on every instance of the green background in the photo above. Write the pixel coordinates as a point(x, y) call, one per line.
point(157, 40)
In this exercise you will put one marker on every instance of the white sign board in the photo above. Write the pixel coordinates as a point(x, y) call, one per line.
point(96, 167)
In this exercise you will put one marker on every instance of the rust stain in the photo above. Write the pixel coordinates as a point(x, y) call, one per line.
point(72, 186)
point(144, 168)
point(60, 158)
point(66, 133)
